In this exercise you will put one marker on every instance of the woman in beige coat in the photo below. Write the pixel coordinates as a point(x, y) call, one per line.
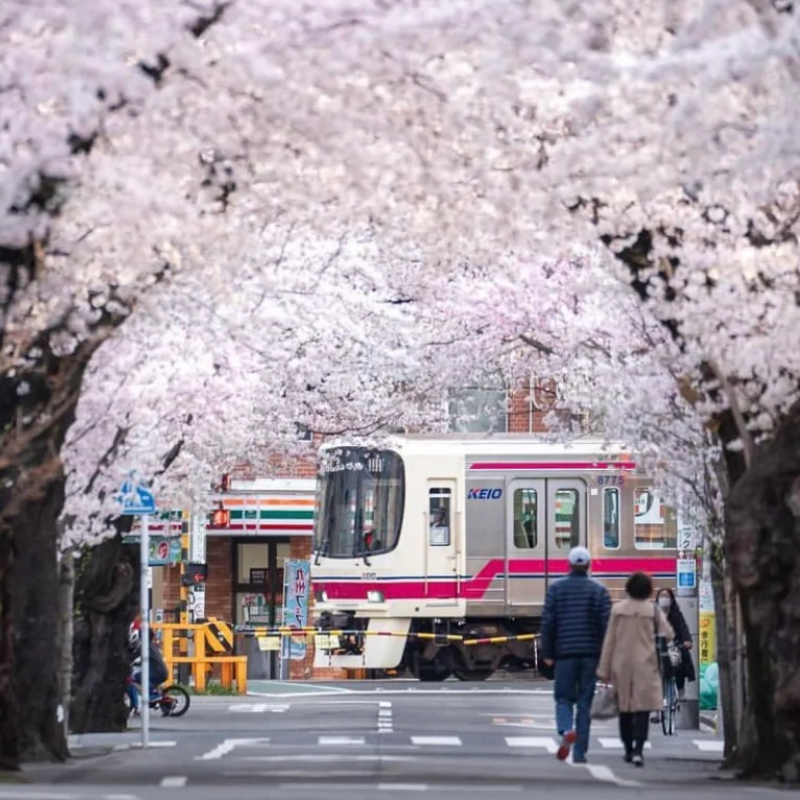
point(629, 662)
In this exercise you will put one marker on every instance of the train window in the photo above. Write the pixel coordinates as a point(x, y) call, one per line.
point(568, 519)
point(611, 519)
point(655, 525)
point(439, 517)
point(526, 519)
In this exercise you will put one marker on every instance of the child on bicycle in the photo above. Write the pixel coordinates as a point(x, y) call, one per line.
point(158, 669)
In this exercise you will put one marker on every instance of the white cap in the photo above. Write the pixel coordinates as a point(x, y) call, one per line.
point(579, 557)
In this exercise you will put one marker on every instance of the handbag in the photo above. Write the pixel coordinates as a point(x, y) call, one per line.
point(667, 653)
point(604, 703)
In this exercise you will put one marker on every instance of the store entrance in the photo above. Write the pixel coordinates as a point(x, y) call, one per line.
point(258, 597)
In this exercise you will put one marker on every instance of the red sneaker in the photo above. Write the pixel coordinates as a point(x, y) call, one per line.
point(567, 740)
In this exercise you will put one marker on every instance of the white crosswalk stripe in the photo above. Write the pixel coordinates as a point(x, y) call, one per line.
point(616, 744)
point(436, 741)
point(547, 742)
point(257, 708)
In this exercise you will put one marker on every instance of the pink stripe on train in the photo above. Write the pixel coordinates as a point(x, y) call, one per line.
point(476, 587)
point(551, 465)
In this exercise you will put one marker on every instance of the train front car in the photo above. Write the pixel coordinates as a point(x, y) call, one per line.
point(366, 552)
point(435, 553)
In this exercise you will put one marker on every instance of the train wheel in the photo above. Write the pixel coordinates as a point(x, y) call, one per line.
point(432, 673)
point(473, 674)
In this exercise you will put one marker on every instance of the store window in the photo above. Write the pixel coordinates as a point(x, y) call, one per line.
point(477, 410)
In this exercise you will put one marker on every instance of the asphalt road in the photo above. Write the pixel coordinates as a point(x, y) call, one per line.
point(372, 739)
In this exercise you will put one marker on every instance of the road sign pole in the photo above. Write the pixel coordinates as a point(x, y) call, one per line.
point(144, 603)
point(689, 603)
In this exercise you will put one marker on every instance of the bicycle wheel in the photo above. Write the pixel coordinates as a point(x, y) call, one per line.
point(174, 701)
point(668, 710)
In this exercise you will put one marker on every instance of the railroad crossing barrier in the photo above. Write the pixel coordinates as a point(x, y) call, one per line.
point(213, 646)
point(270, 638)
point(212, 643)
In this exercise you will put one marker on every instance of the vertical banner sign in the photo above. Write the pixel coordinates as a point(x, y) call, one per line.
point(295, 604)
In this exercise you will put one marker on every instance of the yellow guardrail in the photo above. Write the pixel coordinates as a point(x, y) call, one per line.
point(213, 646)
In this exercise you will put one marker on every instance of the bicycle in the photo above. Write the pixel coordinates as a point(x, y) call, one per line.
point(172, 701)
point(670, 705)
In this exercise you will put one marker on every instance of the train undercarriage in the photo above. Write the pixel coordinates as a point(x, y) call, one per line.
point(436, 649)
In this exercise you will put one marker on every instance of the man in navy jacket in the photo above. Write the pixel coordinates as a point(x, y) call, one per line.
point(574, 622)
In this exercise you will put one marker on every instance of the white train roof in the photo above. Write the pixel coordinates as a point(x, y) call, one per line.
point(479, 444)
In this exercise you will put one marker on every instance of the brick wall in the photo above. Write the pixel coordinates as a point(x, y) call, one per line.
point(219, 557)
point(523, 419)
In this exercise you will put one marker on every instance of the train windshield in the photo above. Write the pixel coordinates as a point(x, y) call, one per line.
point(361, 493)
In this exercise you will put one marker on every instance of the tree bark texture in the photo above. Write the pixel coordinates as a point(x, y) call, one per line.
point(762, 548)
point(725, 657)
point(66, 594)
point(33, 426)
point(35, 597)
point(106, 604)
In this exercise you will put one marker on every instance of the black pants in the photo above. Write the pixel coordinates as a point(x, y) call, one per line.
point(633, 729)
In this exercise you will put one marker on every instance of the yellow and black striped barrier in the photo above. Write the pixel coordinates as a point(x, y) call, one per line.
point(523, 637)
point(219, 636)
point(323, 638)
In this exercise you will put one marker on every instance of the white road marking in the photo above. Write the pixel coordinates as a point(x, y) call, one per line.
point(174, 781)
point(434, 741)
point(392, 787)
point(707, 746)
point(330, 757)
point(385, 724)
point(16, 794)
point(257, 708)
point(403, 787)
point(155, 743)
point(602, 773)
point(547, 742)
point(616, 744)
point(335, 740)
point(410, 691)
point(227, 746)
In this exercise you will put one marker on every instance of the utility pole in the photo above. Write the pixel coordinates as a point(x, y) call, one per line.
point(689, 603)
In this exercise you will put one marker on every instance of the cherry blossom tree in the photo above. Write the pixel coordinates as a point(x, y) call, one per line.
point(470, 128)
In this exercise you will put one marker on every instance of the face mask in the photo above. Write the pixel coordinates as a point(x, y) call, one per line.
point(664, 602)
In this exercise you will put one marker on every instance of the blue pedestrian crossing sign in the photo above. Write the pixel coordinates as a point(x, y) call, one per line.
point(135, 499)
point(687, 573)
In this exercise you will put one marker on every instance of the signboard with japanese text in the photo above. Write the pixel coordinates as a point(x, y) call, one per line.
point(296, 587)
point(163, 550)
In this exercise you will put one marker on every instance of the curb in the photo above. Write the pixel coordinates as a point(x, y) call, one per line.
point(50, 772)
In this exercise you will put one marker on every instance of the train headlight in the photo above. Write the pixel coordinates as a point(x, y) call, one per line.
point(375, 597)
point(322, 596)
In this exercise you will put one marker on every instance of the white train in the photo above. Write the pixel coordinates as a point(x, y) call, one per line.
point(432, 541)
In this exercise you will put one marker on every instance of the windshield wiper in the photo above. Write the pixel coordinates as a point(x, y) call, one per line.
point(363, 552)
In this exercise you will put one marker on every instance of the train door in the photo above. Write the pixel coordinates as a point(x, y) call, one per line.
point(526, 515)
point(442, 552)
point(566, 523)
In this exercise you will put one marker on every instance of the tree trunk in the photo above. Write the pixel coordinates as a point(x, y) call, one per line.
point(35, 595)
point(763, 550)
point(106, 604)
point(724, 654)
point(9, 715)
point(66, 597)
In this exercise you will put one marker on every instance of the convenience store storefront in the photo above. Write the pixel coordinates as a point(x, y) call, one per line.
point(262, 524)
